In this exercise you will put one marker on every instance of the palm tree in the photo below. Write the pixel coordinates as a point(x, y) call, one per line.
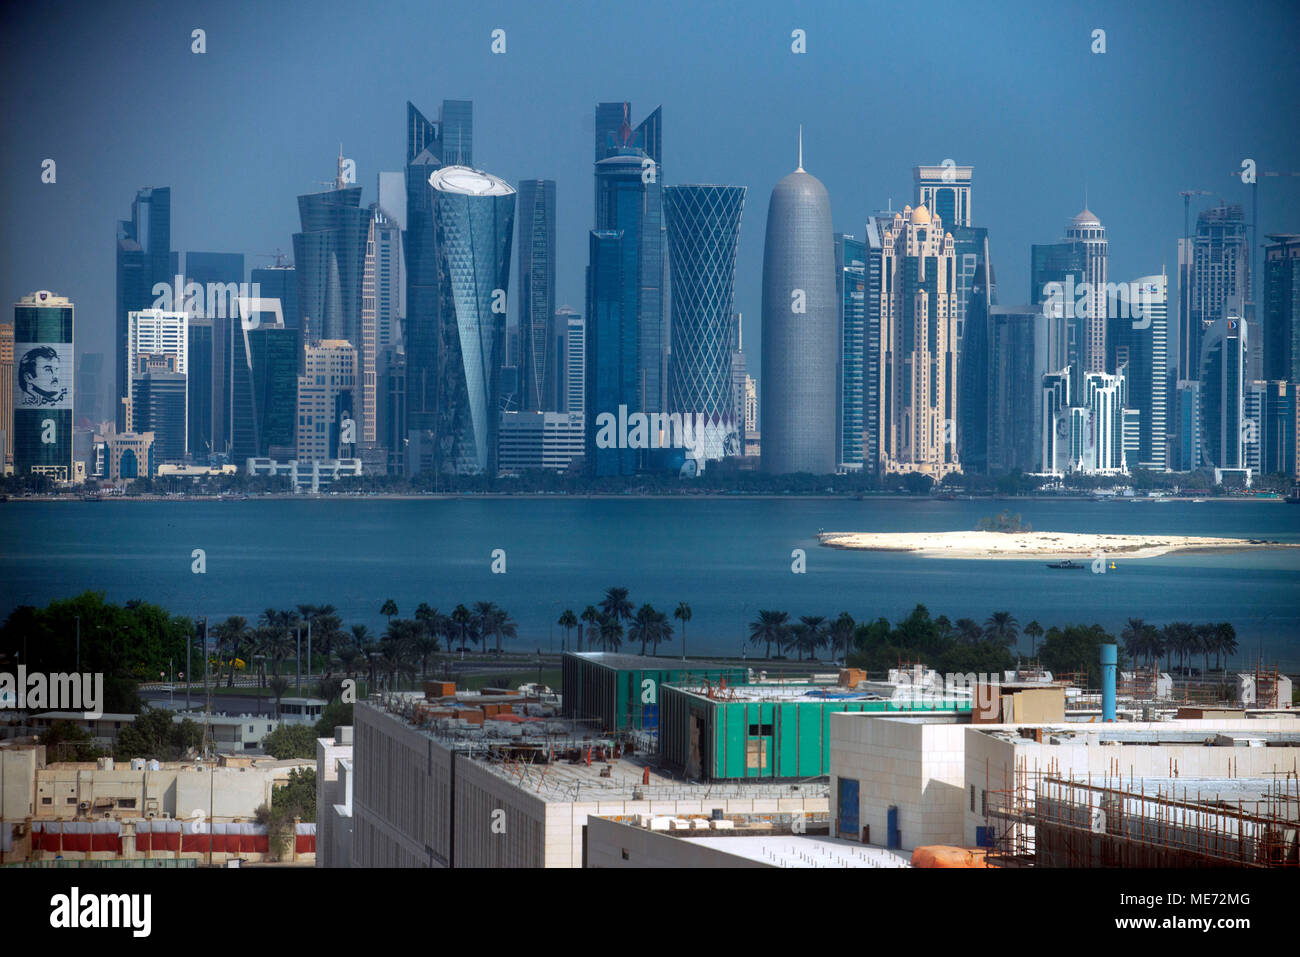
point(461, 616)
point(662, 631)
point(814, 635)
point(388, 609)
point(278, 687)
point(1002, 627)
point(502, 625)
point(611, 634)
point(1225, 643)
point(427, 616)
point(841, 633)
point(642, 626)
point(348, 656)
point(1205, 643)
point(482, 621)
point(567, 621)
point(1035, 631)
point(360, 637)
point(968, 631)
point(770, 626)
point(683, 614)
point(1133, 637)
point(592, 617)
point(615, 604)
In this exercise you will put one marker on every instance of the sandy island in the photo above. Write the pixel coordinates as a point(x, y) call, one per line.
point(1036, 545)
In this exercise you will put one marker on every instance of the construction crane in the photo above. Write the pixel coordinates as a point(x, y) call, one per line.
point(278, 256)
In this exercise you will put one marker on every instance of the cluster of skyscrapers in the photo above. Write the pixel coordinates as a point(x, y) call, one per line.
point(395, 343)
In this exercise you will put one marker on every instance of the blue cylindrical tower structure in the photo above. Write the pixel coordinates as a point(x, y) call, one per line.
point(1108, 659)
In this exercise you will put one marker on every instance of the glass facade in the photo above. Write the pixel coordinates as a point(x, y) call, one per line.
point(329, 260)
point(144, 258)
point(43, 386)
point(611, 366)
point(703, 236)
point(536, 295)
point(264, 391)
point(474, 215)
point(850, 289)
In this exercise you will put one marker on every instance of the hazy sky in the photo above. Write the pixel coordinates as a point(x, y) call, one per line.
point(112, 92)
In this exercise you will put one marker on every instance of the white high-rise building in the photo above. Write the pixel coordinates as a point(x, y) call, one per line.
point(153, 332)
point(1087, 229)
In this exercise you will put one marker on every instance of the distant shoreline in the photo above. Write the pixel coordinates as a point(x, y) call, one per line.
point(1021, 546)
point(436, 496)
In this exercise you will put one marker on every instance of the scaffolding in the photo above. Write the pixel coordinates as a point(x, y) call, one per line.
point(1043, 818)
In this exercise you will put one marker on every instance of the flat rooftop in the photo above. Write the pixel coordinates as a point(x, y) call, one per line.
point(790, 692)
point(549, 759)
point(1174, 733)
point(654, 662)
point(802, 850)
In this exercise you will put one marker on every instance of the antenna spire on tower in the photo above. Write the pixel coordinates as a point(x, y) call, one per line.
point(800, 169)
point(338, 180)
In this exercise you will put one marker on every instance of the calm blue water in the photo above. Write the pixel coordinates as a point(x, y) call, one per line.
point(727, 558)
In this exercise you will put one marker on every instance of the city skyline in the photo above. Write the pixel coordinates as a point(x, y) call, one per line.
point(1027, 185)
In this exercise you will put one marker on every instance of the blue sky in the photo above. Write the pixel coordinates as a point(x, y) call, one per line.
point(112, 92)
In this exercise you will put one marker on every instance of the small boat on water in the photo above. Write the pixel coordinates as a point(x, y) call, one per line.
point(1065, 564)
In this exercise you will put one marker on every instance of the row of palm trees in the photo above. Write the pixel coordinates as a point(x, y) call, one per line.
point(606, 624)
point(813, 632)
point(1145, 642)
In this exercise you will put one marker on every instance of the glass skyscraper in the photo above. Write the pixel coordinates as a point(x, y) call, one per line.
point(1224, 355)
point(264, 388)
point(703, 236)
point(611, 341)
point(144, 258)
point(536, 294)
point(1141, 347)
point(329, 259)
point(1281, 307)
point(474, 214)
point(850, 296)
point(1219, 279)
point(43, 386)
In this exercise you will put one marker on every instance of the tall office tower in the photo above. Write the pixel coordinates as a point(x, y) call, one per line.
point(474, 214)
point(366, 355)
point(1088, 231)
point(1053, 432)
point(1225, 347)
point(945, 191)
point(159, 404)
point(751, 406)
point(975, 293)
point(629, 199)
point(389, 278)
point(614, 131)
point(391, 418)
point(1281, 307)
point(1219, 279)
point(611, 361)
point(392, 200)
point(1064, 266)
point(1141, 343)
point(6, 397)
point(152, 332)
point(426, 152)
point(738, 377)
point(329, 257)
point(1277, 427)
point(1187, 422)
point(570, 356)
point(43, 386)
point(800, 346)
point(279, 282)
point(918, 327)
point(703, 237)
point(327, 426)
point(1103, 399)
point(263, 386)
point(873, 278)
point(1014, 388)
point(202, 392)
point(90, 384)
point(850, 300)
point(223, 273)
point(536, 294)
point(144, 258)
